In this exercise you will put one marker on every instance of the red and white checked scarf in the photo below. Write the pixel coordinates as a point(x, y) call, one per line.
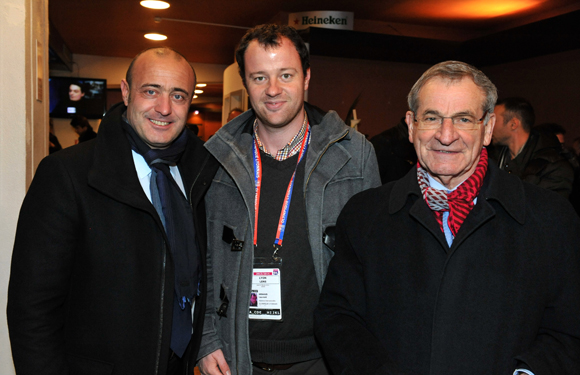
point(459, 202)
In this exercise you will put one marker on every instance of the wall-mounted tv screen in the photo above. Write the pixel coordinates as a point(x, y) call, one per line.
point(70, 96)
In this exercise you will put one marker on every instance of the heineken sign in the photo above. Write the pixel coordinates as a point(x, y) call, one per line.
point(327, 19)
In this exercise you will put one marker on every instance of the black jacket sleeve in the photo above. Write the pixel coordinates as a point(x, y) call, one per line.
point(43, 255)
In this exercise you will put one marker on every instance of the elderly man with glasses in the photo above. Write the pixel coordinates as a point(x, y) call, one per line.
point(458, 267)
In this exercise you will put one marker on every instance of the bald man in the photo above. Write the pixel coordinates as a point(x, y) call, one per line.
point(108, 269)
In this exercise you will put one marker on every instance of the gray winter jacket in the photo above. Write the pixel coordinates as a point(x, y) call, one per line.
point(340, 162)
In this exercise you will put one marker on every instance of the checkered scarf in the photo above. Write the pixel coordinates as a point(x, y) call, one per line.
point(459, 202)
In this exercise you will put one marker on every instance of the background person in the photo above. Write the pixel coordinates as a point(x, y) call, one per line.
point(234, 113)
point(53, 143)
point(83, 128)
point(523, 151)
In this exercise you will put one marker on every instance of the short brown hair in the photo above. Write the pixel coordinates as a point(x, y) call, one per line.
point(270, 36)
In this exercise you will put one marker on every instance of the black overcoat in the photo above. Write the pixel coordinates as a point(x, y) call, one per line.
point(92, 279)
point(398, 300)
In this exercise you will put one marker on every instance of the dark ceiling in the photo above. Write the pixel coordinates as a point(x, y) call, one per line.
point(116, 27)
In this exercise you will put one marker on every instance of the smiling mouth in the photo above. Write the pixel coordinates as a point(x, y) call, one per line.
point(446, 151)
point(274, 105)
point(160, 123)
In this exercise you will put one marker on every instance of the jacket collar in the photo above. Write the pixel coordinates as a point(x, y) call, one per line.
point(237, 134)
point(113, 170)
point(232, 147)
point(498, 186)
point(326, 129)
point(507, 190)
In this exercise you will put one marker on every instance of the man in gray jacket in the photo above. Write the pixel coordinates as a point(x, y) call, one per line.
point(287, 170)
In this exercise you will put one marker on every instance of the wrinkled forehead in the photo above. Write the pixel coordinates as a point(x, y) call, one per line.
point(443, 91)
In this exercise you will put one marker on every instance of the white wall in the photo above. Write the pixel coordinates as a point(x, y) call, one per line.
point(23, 127)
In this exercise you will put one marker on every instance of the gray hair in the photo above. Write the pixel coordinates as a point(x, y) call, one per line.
point(454, 71)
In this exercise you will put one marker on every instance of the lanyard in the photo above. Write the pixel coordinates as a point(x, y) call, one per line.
point(288, 196)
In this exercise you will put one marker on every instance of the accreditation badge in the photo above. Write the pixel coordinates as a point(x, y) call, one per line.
point(266, 293)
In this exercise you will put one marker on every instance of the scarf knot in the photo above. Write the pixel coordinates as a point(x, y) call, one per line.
point(459, 202)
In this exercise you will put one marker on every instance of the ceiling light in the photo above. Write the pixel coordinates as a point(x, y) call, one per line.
point(155, 4)
point(155, 36)
point(198, 91)
point(195, 96)
point(465, 9)
point(196, 113)
point(201, 85)
point(490, 8)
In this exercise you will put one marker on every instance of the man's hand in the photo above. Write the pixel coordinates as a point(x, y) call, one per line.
point(214, 364)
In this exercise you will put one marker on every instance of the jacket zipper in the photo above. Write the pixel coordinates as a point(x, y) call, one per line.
point(194, 181)
point(160, 338)
point(196, 229)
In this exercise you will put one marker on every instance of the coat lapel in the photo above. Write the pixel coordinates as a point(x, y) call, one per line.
point(482, 212)
point(195, 159)
point(423, 214)
point(232, 147)
point(113, 171)
point(328, 132)
point(407, 189)
point(497, 186)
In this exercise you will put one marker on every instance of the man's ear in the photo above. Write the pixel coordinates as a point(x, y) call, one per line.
point(488, 129)
point(307, 79)
point(515, 123)
point(409, 120)
point(125, 91)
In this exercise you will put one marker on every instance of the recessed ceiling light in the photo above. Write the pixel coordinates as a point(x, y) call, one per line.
point(201, 85)
point(154, 4)
point(198, 91)
point(155, 36)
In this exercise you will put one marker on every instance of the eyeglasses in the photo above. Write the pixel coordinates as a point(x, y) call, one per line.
point(460, 122)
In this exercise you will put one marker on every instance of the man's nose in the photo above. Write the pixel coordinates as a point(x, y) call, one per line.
point(274, 88)
point(447, 134)
point(163, 105)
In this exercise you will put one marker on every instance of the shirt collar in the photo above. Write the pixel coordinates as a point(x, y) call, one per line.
point(438, 185)
point(143, 170)
point(291, 148)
